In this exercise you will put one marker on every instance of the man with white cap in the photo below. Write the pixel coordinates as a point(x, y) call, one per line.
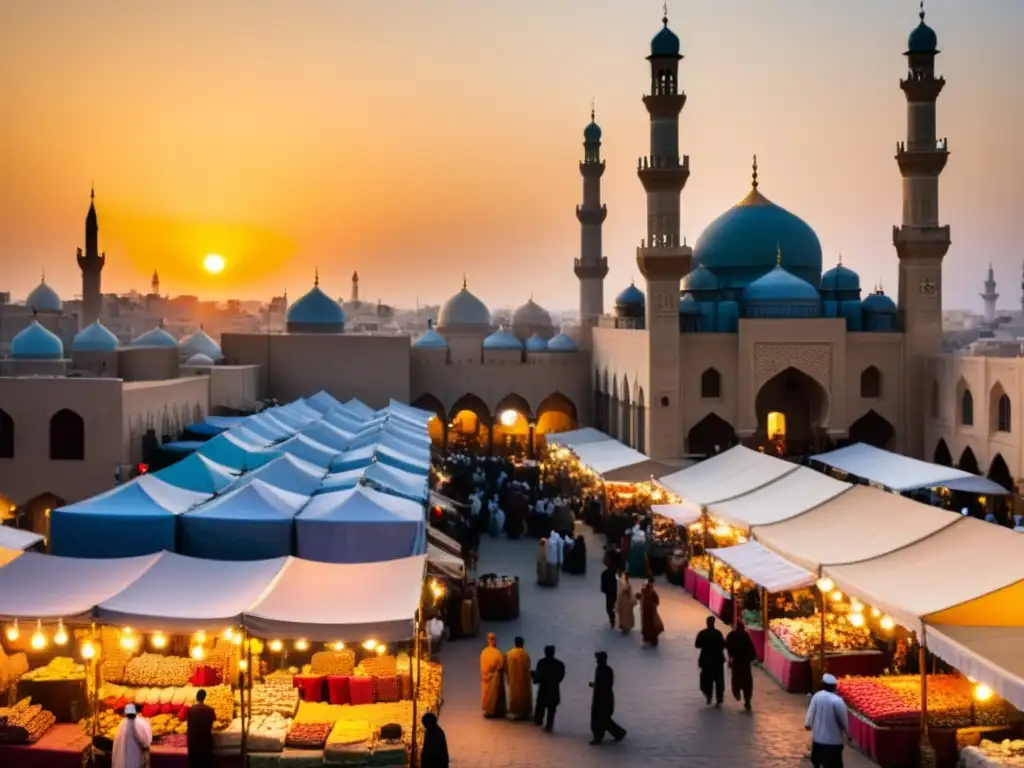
point(827, 720)
point(133, 740)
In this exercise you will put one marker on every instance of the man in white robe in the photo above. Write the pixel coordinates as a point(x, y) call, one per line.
point(555, 546)
point(133, 740)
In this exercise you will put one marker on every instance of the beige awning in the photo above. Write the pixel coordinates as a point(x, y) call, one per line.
point(730, 474)
point(990, 655)
point(784, 498)
point(443, 541)
point(445, 563)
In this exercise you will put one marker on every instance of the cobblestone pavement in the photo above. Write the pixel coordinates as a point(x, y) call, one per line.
point(656, 692)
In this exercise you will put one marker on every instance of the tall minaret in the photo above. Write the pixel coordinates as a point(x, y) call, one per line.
point(154, 284)
point(1022, 295)
point(591, 267)
point(355, 287)
point(920, 242)
point(91, 264)
point(663, 257)
point(989, 297)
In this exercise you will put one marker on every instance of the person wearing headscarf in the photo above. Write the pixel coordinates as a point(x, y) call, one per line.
point(492, 679)
point(624, 603)
point(554, 555)
point(742, 655)
point(434, 753)
point(542, 563)
point(133, 739)
point(520, 687)
point(638, 554)
point(602, 705)
point(650, 620)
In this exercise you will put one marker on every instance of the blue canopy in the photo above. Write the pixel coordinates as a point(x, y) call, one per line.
point(294, 421)
point(203, 430)
point(267, 427)
point(137, 518)
point(230, 451)
point(387, 455)
point(287, 473)
point(182, 446)
point(409, 485)
point(327, 434)
point(252, 522)
point(225, 421)
point(344, 480)
point(360, 526)
point(197, 473)
point(323, 402)
point(343, 419)
point(354, 459)
point(360, 409)
point(309, 450)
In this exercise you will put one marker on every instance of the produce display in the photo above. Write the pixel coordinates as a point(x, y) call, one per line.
point(60, 668)
point(896, 701)
point(308, 735)
point(752, 619)
point(378, 666)
point(230, 739)
point(269, 733)
point(724, 576)
point(341, 662)
point(665, 530)
point(701, 564)
point(349, 732)
point(276, 696)
point(24, 723)
point(220, 698)
point(164, 725)
point(991, 754)
point(802, 637)
point(152, 669)
point(106, 724)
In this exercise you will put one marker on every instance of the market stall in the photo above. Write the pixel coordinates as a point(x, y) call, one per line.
point(17, 540)
point(236, 454)
point(287, 473)
point(307, 449)
point(727, 475)
point(197, 473)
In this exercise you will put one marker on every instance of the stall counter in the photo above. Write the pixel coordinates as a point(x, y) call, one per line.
point(63, 746)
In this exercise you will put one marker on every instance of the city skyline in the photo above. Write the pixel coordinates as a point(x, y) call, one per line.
point(429, 162)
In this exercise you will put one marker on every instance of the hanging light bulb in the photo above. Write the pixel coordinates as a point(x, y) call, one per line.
point(129, 642)
point(875, 613)
point(199, 637)
point(887, 623)
point(370, 645)
point(13, 633)
point(825, 584)
point(338, 647)
point(88, 651)
point(197, 652)
point(229, 634)
point(301, 644)
point(158, 640)
point(276, 646)
point(61, 637)
point(382, 649)
point(243, 665)
point(38, 638)
point(982, 692)
point(237, 638)
point(836, 596)
point(857, 619)
point(857, 606)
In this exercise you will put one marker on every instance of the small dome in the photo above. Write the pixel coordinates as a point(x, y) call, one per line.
point(536, 343)
point(701, 279)
point(95, 338)
point(44, 299)
point(840, 278)
point(201, 343)
point(157, 337)
point(34, 342)
point(780, 286)
point(631, 297)
point(502, 340)
point(689, 306)
point(463, 309)
point(431, 340)
point(562, 343)
point(531, 314)
point(665, 43)
point(592, 133)
point(879, 303)
point(200, 359)
point(923, 39)
point(316, 308)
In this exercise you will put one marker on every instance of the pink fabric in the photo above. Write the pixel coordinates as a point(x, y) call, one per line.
point(793, 676)
point(701, 589)
point(361, 690)
point(690, 581)
point(311, 688)
point(338, 689)
point(720, 605)
point(757, 636)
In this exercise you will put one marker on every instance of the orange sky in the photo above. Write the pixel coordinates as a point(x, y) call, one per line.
point(418, 140)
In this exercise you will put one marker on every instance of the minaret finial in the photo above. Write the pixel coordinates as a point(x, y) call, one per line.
point(42, 279)
point(316, 277)
point(778, 254)
point(840, 258)
point(754, 182)
point(664, 12)
point(592, 109)
point(921, 14)
point(463, 281)
point(92, 190)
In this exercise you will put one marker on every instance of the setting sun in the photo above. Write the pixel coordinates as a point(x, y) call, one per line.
point(213, 263)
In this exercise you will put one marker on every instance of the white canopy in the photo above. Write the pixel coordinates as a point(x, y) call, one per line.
point(857, 525)
point(448, 564)
point(287, 472)
point(399, 458)
point(763, 567)
point(442, 540)
point(309, 450)
point(576, 437)
point(902, 473)
point(969, 573)
point(185, 594)
point(36, 586)
point(783, 498)
point(990, 655)
point(681, 514)
point(727, 475)
point(327, 434)
point(608, 455)
point(323, 402)
point(344, 419)
point(360, 409)
point(394, 480)
point(12, 538)
point(410, 412)
point(325, 602)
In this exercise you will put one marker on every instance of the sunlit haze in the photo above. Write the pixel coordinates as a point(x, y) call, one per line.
point(417, 141)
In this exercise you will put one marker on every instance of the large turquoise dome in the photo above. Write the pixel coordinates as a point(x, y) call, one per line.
point(701, 279)
point(630, 297)
point(502, 340)
point(781, 294)
point(316, 312)
point(741, 244)
point(44, 299)
point(158, 337)
point(840, 278)
point(34, 342)
point(95, 338)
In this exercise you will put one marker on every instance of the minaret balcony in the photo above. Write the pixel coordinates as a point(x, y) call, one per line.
point(922, 158)
point(913, 242)
point(592, 269)
point(591, 170)
point(922, 87)
point(592, 216)
point(660, 173)
point(662, 105)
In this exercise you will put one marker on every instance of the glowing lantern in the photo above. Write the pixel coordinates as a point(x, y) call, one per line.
point(237, 638)
point(382, 649)
point(338, 647)
point(61, 637)
point(836, 596)
point(776, 425)
point(887, 623)
point(857, 606)
point(229, 633)
point(158, 640)
point(276, 646)
point(301, 644)
point(857, 619)
point(982, 692)
point(88, 651)
point(38, 638)
point(199, 637)
point(197, 652)
point(243, 665)
point(509, 418)
point(825, 584)
point(370, 645)
point(13, 633)
point(128, 640)
point(875, 612)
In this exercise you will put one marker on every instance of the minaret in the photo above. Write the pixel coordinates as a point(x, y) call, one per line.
point(1022, 295)
point(355, 287)
point(989, 297)
point(91, 264)
point(154, 285)
point(920, 242)
point(591, 267)
point(662, 257)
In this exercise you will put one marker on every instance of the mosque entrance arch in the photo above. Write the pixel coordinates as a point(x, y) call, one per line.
point(791, 411)
point(968, 462)
point(34, 514)
point(874, 430)
point(999, 473)
point(556, 413)
point(436, 426)
point(710, 435)
point(469, 425)
point(512, 420)
point(942, 456)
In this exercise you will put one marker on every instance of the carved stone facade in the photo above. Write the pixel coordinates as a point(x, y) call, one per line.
point(772, 359)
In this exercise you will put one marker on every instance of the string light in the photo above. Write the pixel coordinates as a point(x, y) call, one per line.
point(857, 606)
point(229, 634)
point(197, 652)
point(836, 596)
point(887, 623)
point(199, 637)
point(301, 644)
point(825, 584)
point(338, 647)
point(13, 633)
point(875, 612)
point(276, 646)
point(382, 649)
point(982, 692)
point(61, 637)
point(237, 638)
point(857, 619)
point(370, 645)
point(158, 640)
point(243, 665)
point(88, 651)
point(38, 638)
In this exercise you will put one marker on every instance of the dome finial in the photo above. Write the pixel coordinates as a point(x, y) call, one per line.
point(664, 12)
point(92, 190)
point(921, 13)
point(840, 258)
point(592, 113)
point(754, 182)
point(316, 276)
point(42, 279)
point(463, 281)
point(778, 254)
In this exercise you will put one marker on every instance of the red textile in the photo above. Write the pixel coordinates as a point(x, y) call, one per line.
point(150, 710)
point(183, 712)
point(338, 689)
point(757, 636)
point(386, 689)
point(793, 676)
point(166, 709)
point(63, 746)
point(121, 704)
point(311, 688)
point(361, 690)
point(720, 604)
point(205, 676)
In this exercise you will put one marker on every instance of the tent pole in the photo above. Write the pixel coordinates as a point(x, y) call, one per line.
point(95, 688)
point(764, 611)
point(246, 713)
point(821, 650)
point(414, 757)
point(927, 758)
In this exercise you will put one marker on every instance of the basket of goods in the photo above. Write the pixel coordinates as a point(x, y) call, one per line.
point(275, 697)
point(59, 668)
point(308, 735)
point(802, 637)
point(1009, 752)
point(376, 666)
point(268, 733)
point(155, 670)
point(24, 723)
point(341, 662)
point(701, 564)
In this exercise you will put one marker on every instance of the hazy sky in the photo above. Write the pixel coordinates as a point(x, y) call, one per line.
point(416, 140)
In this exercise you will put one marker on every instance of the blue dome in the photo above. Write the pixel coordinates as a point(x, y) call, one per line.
point(562, 343)
point(95, 338)
point(631, 297)
point(665, 43)
point(201, 343)
point(33, 342)
point(689, 306)
point(463, 309)
point(536, 344)
point(44, 299)
point(923, 39)
point(316, 308)
point(592, 133)
point(741, 244)
point(879, 303)
point(780, 286)
point(502, 340)
point(700, 279)
point(840, 278)
point(158, 337)
point(431, 340)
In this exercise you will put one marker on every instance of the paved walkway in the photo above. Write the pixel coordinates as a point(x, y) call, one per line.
point(656, 692)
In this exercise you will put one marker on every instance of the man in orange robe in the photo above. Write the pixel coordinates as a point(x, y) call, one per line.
point(492, 679)
point(520, 686)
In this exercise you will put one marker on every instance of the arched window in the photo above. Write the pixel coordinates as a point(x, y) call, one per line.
point(871, 383)
point(967, 409)
point(6, 435)
point(711, 384)
point(67, 436)
point(1003, 414)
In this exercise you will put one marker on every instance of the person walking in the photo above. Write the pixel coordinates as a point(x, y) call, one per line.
point(610, 589)
point(625, 603)
point(711, 662)
point(520, 687)
point(742, 655)
point(548, 678)
point(132, 741)
point(602, 706)
point(542, 563)
point(434, 753)
point(650, 620)
point(828, 721)
point(200, 732)
point(492, 679)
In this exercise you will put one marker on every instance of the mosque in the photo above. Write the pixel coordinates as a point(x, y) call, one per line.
point(745, 336)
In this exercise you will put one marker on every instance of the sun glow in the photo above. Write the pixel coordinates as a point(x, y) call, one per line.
point(213, 263)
